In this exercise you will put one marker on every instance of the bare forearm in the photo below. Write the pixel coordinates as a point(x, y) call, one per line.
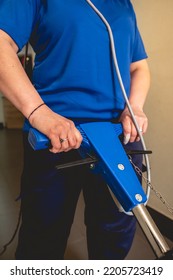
point(14, 83)
point(140, 83)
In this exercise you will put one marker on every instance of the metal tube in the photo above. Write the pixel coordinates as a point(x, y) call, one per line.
point(157, 242)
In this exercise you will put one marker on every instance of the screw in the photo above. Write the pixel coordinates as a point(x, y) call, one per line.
point(138, 197)
point(121, 166)
point(92, 166)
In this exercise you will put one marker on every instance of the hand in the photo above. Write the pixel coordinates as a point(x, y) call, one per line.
point(61, 131)
point(130, 132)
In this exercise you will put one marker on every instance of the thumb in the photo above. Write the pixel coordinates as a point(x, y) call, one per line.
point(127, 132)
point(126, 138)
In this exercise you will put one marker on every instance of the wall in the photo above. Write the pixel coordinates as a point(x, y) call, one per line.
point(155, 20)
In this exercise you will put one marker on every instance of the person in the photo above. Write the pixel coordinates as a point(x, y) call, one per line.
point(74, 81)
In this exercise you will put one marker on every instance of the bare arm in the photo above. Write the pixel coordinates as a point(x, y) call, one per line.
point(16, 86)
point(140, 82)
point(14, 83)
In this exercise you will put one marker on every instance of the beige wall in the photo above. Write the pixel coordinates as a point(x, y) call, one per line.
point(155, 21)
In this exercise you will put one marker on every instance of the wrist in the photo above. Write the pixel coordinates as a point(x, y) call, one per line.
point(39, 116)
point(135, 107)
point(35, 109)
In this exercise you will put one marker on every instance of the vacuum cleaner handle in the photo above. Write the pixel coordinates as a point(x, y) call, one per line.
point(101, 140)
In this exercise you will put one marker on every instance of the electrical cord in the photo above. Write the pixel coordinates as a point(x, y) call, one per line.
point(114, 56)
point(14, 234)
point(4, 247)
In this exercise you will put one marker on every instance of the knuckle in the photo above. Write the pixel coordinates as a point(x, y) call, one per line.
point(80, 138)
point(134, 134)
point(56, 144)
point(73, 145)
point(69, 124)
point(54, 151)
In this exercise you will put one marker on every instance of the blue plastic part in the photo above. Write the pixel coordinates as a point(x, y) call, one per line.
point(113, 163)
point(38, 140)
point(101, 140)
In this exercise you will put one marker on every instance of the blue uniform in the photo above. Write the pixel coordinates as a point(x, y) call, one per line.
point(73, 70)
point(75, 75)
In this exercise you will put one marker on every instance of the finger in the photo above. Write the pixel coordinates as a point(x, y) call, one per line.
point(126, 138)
point(134, 134)
point(64, 143)
point(56, 145)
point(79, 138)
point(71, 138)
point(64, 138)
point(74, 138)
point(127, 129)
point(145, 126)
point(142, 130)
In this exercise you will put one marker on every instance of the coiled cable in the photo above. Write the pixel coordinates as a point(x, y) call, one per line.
point(114, 56)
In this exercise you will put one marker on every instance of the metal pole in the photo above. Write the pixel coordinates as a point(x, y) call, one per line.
point(157, 242)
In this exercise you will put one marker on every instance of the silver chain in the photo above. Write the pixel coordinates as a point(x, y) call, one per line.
point(151, 186)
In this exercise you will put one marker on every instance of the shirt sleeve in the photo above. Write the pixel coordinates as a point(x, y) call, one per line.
point(138, 50)
point(17, 18)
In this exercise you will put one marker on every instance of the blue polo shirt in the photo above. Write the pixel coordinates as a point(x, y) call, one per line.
point(73, 70)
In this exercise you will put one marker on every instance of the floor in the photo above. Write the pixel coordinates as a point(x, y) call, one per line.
point(10, 170)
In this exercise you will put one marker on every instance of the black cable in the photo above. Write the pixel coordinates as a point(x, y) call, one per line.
point(14, 234)
point(20, 212)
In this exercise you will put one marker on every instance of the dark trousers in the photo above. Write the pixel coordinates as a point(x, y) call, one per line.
point(48, 201)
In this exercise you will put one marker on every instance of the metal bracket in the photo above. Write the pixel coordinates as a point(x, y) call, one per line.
point(91, 159)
